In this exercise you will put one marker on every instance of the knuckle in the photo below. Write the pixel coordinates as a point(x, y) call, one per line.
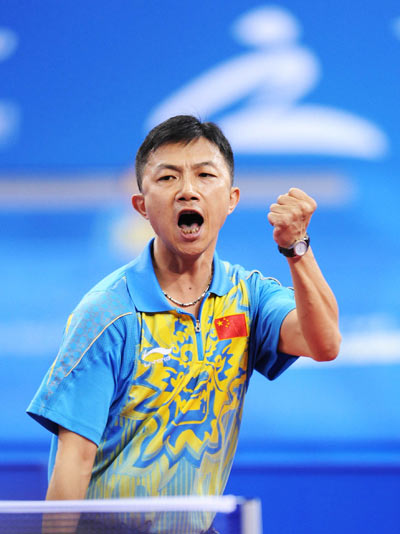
point(297, 211)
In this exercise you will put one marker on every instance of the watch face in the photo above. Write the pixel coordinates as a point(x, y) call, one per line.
point(300, 248)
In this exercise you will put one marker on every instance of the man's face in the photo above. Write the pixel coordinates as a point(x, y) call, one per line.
point(186, 195)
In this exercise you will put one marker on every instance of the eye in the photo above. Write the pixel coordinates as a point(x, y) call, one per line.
point(206, 175)
point(165, 178)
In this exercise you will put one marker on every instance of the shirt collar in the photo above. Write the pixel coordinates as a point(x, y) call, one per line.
point(146, 292)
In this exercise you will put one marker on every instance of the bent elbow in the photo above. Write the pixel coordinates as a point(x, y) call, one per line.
point(330, 351)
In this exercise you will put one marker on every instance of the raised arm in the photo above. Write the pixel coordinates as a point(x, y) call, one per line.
point(312, 328)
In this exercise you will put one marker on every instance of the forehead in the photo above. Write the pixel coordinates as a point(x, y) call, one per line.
point(186, 155)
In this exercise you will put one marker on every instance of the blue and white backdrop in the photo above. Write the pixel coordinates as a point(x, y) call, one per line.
point(308, 94)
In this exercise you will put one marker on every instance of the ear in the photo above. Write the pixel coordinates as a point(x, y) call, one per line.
point(233, 199)
point(139, 204)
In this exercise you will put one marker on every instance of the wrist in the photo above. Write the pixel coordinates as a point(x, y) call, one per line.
point(296, 249)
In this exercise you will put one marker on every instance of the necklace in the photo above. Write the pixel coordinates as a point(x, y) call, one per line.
point(187, 304)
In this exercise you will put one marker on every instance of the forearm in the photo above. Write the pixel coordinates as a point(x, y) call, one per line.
point(312, 329)
point(69, 480)
point(317, 309)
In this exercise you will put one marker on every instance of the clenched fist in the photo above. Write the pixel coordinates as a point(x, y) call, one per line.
point(290, 216)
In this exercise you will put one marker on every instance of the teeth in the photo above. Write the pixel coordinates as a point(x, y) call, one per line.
point(188, 231)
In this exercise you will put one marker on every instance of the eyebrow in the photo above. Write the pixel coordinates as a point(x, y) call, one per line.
point(204, 163)
point(161, 166)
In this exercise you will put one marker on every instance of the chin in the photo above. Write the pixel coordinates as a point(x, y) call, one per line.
point(194, 247)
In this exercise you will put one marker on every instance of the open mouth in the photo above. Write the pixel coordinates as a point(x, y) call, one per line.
point(190, 222)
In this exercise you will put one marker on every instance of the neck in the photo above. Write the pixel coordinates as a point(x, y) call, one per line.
point(171, 263)
point(183, 278)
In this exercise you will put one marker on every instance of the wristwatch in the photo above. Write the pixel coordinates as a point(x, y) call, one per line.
point(299, 248)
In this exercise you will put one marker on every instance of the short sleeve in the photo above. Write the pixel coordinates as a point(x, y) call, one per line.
point(274, 302)
point(78, 389)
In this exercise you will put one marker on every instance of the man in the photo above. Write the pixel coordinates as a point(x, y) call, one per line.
point(146, 394)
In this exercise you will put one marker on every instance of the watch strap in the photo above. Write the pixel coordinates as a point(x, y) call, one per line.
point(290, 251)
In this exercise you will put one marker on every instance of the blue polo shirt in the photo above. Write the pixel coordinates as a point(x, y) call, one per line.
point(158, 391)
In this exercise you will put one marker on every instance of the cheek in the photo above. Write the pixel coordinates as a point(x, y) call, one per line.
point(157, 215)
point(154, 207)
point(155, 218)
point(221, 212)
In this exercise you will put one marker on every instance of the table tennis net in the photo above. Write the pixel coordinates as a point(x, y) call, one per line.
point(155, 515)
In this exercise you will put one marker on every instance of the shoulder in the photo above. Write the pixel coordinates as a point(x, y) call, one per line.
point(260, 291)
point(107, 302)
point(253, 278)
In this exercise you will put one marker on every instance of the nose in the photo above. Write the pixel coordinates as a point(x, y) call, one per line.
point(187, 189)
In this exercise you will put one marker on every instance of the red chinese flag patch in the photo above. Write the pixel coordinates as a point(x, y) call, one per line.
point(231, 326)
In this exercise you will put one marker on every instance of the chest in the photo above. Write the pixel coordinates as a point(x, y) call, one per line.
point(186, 362)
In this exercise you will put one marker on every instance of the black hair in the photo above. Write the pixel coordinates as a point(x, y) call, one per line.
point(182, 129)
